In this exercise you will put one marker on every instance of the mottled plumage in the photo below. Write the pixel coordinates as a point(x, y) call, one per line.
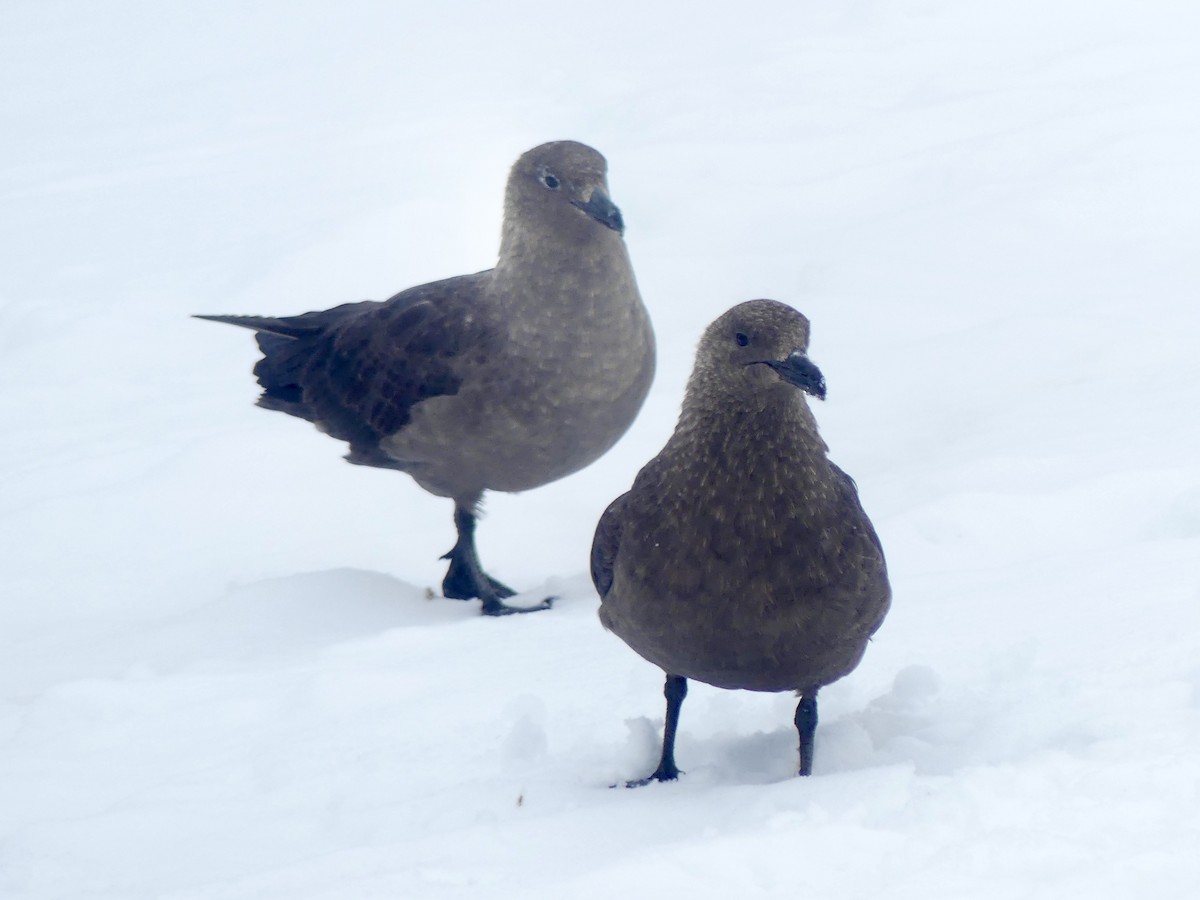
point(502, 380)
point(741, 557)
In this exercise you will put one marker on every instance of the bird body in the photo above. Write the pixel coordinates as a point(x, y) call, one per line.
point(505, 379)
point(767, 609)
point(741, 557)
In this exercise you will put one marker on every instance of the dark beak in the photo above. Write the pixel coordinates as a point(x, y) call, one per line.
point(603, 210)
point(797, 369)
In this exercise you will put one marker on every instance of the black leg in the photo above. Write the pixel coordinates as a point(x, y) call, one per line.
point(806, 724)
point(465, 579)
point(674, 690)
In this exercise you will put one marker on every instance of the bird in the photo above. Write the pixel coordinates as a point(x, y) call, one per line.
point(741, 556)
point(501, 380)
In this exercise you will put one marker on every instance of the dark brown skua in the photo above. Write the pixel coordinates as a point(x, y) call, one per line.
point(503, 380)
point(742, 557)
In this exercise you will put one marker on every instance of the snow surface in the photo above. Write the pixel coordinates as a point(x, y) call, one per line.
point(220, 676)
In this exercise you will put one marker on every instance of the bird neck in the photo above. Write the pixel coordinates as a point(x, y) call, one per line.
point(773, 427)
point(769, 467)
point(547, 276)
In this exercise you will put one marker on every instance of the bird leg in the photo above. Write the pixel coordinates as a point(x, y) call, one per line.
point(806, 724)
point(465, 579)
point(674, 690)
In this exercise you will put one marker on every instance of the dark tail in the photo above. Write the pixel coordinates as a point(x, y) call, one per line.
point(289, 327)
point(287, 344)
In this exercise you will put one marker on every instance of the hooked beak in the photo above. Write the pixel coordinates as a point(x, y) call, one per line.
point(603, 210)
point(798, 370)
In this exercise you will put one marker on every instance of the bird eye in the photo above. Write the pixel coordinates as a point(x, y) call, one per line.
point(550, 181)
point(741, 339)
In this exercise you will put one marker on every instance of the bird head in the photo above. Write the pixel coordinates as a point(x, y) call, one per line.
point(560, 189)
point(761, 343)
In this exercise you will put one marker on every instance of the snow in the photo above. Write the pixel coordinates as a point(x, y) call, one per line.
point(220, 674)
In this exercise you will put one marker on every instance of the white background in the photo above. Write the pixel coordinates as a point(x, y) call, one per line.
point(220, 676)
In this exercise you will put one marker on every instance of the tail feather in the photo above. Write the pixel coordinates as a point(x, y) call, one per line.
point(305, 325)
point(279, 371)
point(284, 328)
point(287, 343)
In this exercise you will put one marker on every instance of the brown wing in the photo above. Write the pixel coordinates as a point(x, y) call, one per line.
point(864, 580)
point(357, 370)
point(605, 545)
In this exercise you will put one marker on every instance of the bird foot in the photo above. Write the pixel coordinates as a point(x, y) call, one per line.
point(460, 584)
point(662, 773)
point(492, 606)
